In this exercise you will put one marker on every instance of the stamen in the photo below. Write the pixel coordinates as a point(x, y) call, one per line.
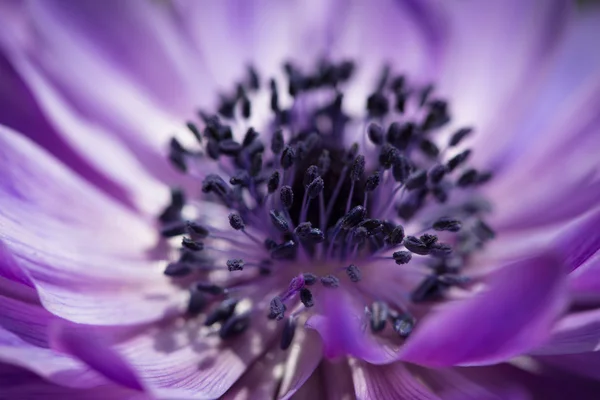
point(353, 273)
point(277, 309)
point(191, 244)
point(306, 297)
point(234, 325)
point(330, 281)
point(222, 312)
point(379, 314)
point(447, 224)
point(235, 264)
point(402, 257)
point(287, 334)
point(196, 303)
point(403, 325)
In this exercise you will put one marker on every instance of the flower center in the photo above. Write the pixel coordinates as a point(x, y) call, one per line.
point(319, 198)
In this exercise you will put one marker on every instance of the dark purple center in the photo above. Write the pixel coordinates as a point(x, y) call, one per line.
point(304, 193)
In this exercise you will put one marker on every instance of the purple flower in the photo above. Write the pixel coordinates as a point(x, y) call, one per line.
point(313, 199)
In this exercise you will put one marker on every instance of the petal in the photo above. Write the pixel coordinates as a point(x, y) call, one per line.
point(556, 141)
point(20, 111)
point(575, 333)
point(584, 282)
point(260, 381)
point(108, 119)
point(528, 379)
point(456, 384)
point(337, 379)
point(230, 34)
point(19, 384)
point(392, 381)
point(165, 68)
point(88, 346)
point(304, 356)
point(583, 364)
point(497, 48)
point(24, 343)
point(343, 331)
point(580, 240)
point(86, 254)
point(513, 315)
point(181, 361)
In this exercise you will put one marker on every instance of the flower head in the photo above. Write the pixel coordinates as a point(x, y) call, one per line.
point(372, 201)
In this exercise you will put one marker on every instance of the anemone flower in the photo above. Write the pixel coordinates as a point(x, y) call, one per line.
point(260, 199)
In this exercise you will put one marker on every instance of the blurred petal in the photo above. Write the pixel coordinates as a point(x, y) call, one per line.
point(556, 140)
point(513, 315)
point(583, 364)
point(20, 111)
point(19, 384)
point(180, 361)
point(342, 328)
point(337, 380)
point(497, 49)
point(575, 333)
point(24, 343)
point(86, 254)
point(86, 345)
point(303, 358)
point(584, 282)
point(392, 381)
point(260, 380)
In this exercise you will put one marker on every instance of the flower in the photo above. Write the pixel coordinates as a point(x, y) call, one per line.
point(408, 209)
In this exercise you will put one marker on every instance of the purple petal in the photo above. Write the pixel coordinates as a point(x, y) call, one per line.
point(342, 329)
point(580, 240)
point(24, 343)
point(259, 381)
point(497, 48)
point(525, 379)
point(556, 139)
point(180, 361)
point(20, 111)
point(574, 333)
point(337, 379)
point(18, 384)
point(392, 381)
point(84, 344)
point(85, 253)
point(584, 282)
point(165, 67)
point(303, 358)
point(456, 384)
point(583, 364)
point(513, 315)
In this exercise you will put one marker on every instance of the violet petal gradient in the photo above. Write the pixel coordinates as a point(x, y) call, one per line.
point(20, 384)
point(583, 364)
point(24, 343)
point(584, 282)
point(61, 232)
point(392, 381)
point(192, 366)
point(337, 379)
point(496, 49)
point(303, 357)
point(581, 240)
point(513, 315)
point(340, 325)
point(140, 39)
point(85, 344)
point(577, 332)
point(260, 379)
point(20, 111)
